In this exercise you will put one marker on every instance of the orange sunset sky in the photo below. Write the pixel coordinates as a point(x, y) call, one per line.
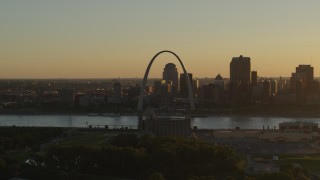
point(107, 39)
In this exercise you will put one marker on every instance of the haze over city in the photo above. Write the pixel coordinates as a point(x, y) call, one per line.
point(108, 39)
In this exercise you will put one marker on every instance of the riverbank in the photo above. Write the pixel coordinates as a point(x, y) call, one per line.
point(209, 114)
point(210, 122)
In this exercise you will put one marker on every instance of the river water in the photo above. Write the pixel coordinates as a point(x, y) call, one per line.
point(211, 122)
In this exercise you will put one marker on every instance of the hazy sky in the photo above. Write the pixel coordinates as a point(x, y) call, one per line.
point(106, 39)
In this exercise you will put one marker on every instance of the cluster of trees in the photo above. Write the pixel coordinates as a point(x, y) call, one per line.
point(17, 142)
point(21, 137)
point(129, 156)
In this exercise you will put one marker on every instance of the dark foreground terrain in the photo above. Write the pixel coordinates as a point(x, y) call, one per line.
point(60, 153)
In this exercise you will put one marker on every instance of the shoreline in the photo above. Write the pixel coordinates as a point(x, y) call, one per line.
point(200, 115)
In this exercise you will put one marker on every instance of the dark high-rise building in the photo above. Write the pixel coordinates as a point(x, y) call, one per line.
point(240, 68)
point(254, 77)
point(307, 70)
point(218, 93)
point(170, 73)
point(240, 71)
point(206, 93)
point(274, 87)
point(266, 94)
point(302, 76)
point(117, 89)
point(303, 84)
point(183, 84)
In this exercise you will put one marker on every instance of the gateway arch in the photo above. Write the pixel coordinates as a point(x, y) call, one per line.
point(142, 88)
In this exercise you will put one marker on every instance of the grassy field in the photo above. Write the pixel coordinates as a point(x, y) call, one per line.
point(86, 139)
point(310, 162)
point(19, 155)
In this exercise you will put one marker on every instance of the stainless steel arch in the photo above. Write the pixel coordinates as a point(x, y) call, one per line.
point(143, 86)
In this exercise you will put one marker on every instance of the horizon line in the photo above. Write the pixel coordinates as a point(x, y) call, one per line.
point(109, 78)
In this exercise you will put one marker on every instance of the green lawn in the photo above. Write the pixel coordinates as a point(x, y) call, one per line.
point(20, 155)
point(310, 162)
point(86, 139)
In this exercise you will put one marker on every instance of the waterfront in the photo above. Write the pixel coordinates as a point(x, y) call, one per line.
point(211, 122)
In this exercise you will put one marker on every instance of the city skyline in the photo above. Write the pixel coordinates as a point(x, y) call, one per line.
point(79, 39)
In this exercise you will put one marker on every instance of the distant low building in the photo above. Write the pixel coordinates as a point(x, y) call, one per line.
point(50, 96)
point(91, 100)
point(298, 126)
point(283, 136)
point(117, 100)
point(286, 98)
point(275, 136)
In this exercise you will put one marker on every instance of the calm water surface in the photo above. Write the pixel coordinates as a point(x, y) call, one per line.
point(211, 122)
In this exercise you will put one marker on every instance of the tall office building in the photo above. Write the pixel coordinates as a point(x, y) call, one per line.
point(240, 71)
point(240, 68)
point(302, 76)
point(303, 83)
point(219, 82)
point(196, 84)
point(266, 94)
point(274, 87)
point(183, 84)
point(170, 73)
point(117, 89)
point(254, 77)
point(219, 92)
point(307, 70)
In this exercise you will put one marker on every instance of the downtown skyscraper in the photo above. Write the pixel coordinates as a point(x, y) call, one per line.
point(240, 69)
point(240, 78)
point(170, 74)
